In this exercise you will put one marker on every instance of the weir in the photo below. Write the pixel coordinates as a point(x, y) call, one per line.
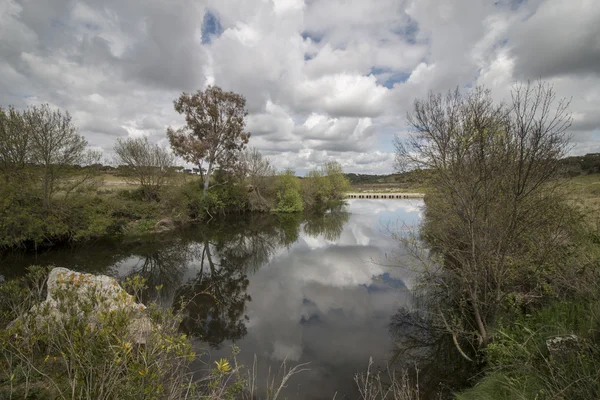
point(384, 196)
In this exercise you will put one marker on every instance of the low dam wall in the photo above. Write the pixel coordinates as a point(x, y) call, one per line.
point(383, 196)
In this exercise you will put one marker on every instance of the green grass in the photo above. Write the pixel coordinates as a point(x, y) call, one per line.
point(584, 193)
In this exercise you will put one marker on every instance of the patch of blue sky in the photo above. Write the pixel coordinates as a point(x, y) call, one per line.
point(408, 31)
point(314, 37)
point(387, 77)
point(211, 27)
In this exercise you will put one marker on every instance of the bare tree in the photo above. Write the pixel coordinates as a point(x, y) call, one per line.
point(260, 174)
point(149, 164)
point(214, 131)
point(56, 146)
point(494, 216)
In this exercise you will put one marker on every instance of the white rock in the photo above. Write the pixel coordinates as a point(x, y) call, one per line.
point(110, 295)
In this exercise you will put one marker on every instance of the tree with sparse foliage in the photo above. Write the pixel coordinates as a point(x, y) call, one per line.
point(494, 218)
point(149, 164)
point(214, 133)
point(55, 147)
point(15, 148)
point(260, 174)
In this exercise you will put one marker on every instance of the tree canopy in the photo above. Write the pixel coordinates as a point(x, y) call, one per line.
point(214, 132)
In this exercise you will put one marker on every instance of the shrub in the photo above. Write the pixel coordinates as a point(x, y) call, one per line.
point(83, 349)
point(288, 193)
point(521, 365)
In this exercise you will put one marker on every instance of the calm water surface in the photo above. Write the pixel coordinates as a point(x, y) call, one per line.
point(315, 289)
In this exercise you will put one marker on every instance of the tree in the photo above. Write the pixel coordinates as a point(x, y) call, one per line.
point(149, 164)
point(15, 149)
point(288, 193)
point(339, 183)
point(56, 146)
point(494, 218)
point(260, 173)
point(214, 130)
point(316, 188)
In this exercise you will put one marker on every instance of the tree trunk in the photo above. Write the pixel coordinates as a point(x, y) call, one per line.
point(206, 180)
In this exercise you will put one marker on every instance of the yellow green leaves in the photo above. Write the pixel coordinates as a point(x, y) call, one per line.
point(223, 366)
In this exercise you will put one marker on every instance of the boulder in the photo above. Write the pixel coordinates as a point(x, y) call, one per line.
point(109, 294)
point(561, 347)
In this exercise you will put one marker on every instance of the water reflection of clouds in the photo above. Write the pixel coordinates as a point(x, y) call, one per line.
point(319, 287)
point(328, 301)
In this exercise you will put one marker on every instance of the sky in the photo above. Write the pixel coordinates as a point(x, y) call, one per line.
point(323, 79)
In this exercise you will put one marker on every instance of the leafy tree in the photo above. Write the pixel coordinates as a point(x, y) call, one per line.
point(288, 193)
point(325, 184)
point(214, 130)
point(337, 180)
point(494, 218)
point(149, 164)
point(316, 188)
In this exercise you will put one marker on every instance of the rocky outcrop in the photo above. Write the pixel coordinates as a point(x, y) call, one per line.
point(102, 293)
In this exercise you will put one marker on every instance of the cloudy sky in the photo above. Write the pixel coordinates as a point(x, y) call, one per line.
point(323, 79)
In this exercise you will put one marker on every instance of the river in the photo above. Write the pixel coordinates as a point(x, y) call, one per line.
point(320, 289)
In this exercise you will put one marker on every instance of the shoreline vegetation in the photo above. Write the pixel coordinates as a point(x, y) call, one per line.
point(508, 252)
point(55, 191)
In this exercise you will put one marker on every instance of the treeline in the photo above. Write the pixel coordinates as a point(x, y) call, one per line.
point(582, 165)
point(52, 189)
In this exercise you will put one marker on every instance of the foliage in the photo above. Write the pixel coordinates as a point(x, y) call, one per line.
point(220, 199)
point(260, 174)
point(79, 353)
point(521, 366)
point(316, 188)
point(373, 386)
point(24, 220)
point(288, 193)
point(55, 145)
point(579, 165)
point(494, 218)
point(149, 164)
point(338, 182)
point(325, 184)
point(15, 147)
point(214, 131)
point(84, 349)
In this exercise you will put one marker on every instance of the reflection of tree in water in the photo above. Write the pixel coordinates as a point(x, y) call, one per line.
point(422, 344)
point(162, 265)
point(223, 253)
point(215, 300)
point(329, 223)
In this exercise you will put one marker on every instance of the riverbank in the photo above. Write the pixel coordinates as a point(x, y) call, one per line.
point(227, 275)
point(106, 207)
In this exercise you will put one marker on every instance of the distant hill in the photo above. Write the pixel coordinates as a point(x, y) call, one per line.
point(407, 181)
point(573, 166)
point(582, 165)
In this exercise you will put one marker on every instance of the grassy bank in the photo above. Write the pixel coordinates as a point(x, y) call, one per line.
point(110, 205)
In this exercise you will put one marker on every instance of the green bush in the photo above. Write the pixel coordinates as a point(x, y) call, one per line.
point(288, 193)
point(84, 348)
point(75, 351)
point(521, 366)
